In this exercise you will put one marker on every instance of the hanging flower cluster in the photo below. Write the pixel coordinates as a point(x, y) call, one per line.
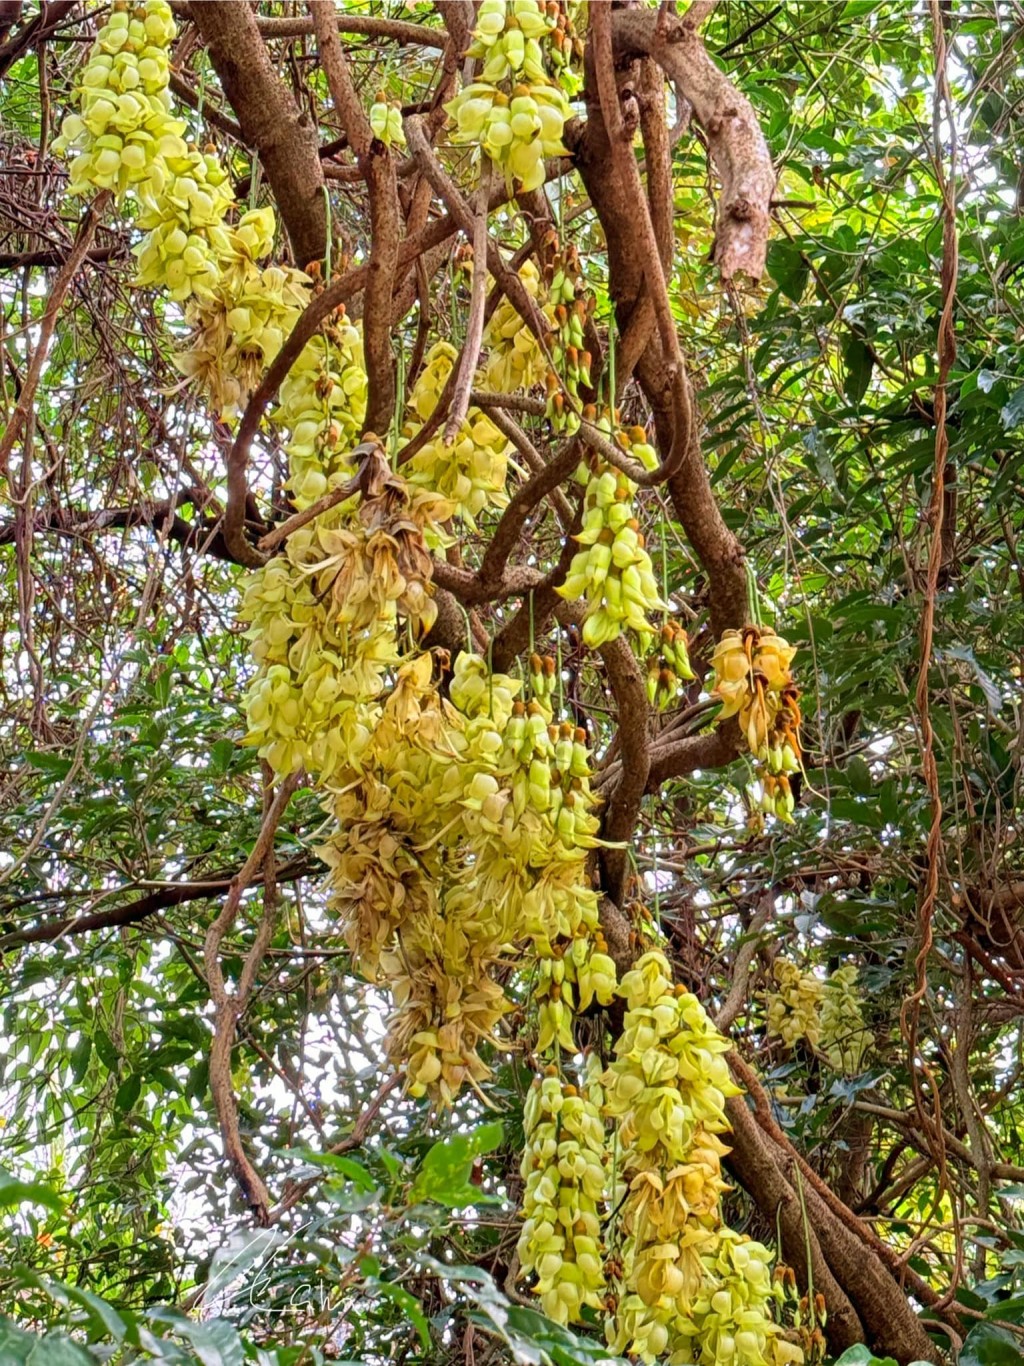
point(794, 1008)
point(844, 1036)
point(568, 309)
point(321, 408)
point(691, 1288)
point(513, 112)
point(669, 666)
point(514, 358)
point(826, 1014)
point(240, 328)
point(613, 571)
point(462, 814)
point(124, 131)
point(565, 1171)
point(463, 830)
point(564, 46)
point(753, 680)
point(325, 626)
point(471, 473)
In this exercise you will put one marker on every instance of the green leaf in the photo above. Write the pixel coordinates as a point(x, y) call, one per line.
point(1010, 1311)
point(80, 1055)
point(789, 269)
point(18, 1348)
point(409, 1305)
point(15, 1344)
point(14, 1192)
point(198, 1080)
point(859, 364)
point(54, 765)
point(215, 1342)
point(161, 686)
point(1012, 413)
point(128, 1092)
point(336, 1162)
point(222, 752)
point(244, 1250)
point(444, 1176)
point(103, 1319)
point(987, 1345)
point(106, 1052)
point(860, 776)
point(859, 1355)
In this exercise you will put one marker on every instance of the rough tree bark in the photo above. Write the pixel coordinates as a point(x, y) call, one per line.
point(271, 121)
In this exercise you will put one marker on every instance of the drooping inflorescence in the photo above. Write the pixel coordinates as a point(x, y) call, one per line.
point(691, 1288)
point(514, 112)
point(826, 1013)
point(613, 571)
point(124, 132)
point(754, 683)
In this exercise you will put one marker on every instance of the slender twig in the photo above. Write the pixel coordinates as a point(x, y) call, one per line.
point(475, 324)
point(522, 503)
point(733, 1003)
point(294, 1191)
point(229, 1007)
point(624, 166)
point(946, 347)
point(460, 211)
point(174, 894)
point(511, 429)
point(61, 284)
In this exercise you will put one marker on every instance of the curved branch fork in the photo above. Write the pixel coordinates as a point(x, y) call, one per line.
point(737, 145)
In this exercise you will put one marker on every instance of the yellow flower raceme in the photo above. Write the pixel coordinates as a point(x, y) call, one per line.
point(565, 1174)
point(514, 358)
point(124, 131)
point(730, 1323)
point(668, 666)
point(324, 627)
point(794, 1009)
point(471, 473)
point(754, 683)
point(690, 1290)
point(612, 571)
point(844, 1036)
point(186, 237)
point(513, 111)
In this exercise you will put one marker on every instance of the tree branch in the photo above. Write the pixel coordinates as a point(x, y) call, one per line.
point(627, 683)
point(521, 504)
point(270, 120)
point(203, 537)
point(467, 364)
point(690, 487)
point(19, 260)
point(42, 26)
point(737, 145)
point(62, 283)
point(460, 211)
point(228, 1007)
point(378, 169)
point(116, 917)
point(397, 30)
